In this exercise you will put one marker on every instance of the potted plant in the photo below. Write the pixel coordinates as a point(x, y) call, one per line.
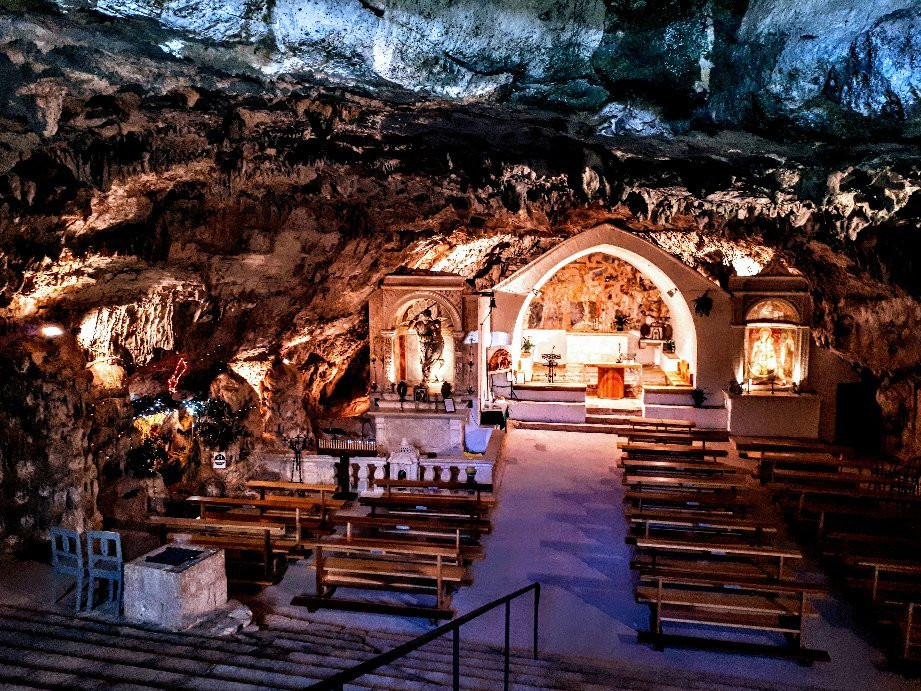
point(668, 346)
point(526, 365)
point(621, 321)
point(699, 396)
point(219, 428)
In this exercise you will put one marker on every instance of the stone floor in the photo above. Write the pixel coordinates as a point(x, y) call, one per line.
point(560, 522)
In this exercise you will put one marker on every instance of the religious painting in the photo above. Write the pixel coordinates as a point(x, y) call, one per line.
point(773, 310)
point(591, 294)
point(770, 354)
point(499, 359)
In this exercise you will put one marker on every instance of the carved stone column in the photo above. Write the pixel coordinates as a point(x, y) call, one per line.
point(460, 358)
point(385, 356)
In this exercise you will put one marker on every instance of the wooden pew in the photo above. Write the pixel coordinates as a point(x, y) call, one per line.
point(295, 510)
point(267, 538)
point(477, 488)
point(651, 465)
point(690, 438)
point(298, 488)
point(911, 632)
point(884, 588)
point(659, 424)
point(718, 550)
point(758, 446)
point(462, 534)
point(645, 449)
point(729, 606)
point(695, 522)
point(727, 502)
point(433, 504)
point(384, 565)
point(719, 483)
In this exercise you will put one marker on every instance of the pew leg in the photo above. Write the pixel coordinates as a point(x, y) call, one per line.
point(267, 555)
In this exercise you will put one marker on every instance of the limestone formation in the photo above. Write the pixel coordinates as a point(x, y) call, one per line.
point(203, 200)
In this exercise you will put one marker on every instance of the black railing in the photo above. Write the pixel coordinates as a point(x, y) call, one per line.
point(358, 447)
point(339, 680)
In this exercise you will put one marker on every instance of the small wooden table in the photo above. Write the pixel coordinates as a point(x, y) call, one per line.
point(611, 377)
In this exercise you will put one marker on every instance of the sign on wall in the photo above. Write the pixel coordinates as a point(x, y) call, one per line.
point(219, 460)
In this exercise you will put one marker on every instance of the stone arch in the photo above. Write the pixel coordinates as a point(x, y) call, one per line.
point(393, 317)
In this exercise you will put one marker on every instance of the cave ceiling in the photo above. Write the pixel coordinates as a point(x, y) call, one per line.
point(230, 180)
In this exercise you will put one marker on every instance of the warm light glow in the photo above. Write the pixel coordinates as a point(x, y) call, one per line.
point(253, 371)
point(148, 424)
point(52, 331)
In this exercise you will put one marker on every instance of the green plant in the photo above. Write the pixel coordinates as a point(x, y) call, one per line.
point(219, 426)
point(668, 346)
point(527, 345)
point(621, 321)
point(699, 396)
point(147, 459)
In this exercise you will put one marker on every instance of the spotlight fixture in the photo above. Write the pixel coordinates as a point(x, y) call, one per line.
point(492, 302)
point(671, 293)
point(51, 331)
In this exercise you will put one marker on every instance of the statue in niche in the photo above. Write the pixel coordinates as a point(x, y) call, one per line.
point(787, 352)
point(763, 362)
point(431, 341)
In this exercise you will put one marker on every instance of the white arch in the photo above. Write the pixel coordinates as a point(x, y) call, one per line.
point(678, 284)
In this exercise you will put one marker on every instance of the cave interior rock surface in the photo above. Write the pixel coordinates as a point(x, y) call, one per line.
point(202, 196)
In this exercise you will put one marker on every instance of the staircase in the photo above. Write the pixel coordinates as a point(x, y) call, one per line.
point(44, 649)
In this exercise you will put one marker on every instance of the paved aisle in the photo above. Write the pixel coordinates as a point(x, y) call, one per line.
point(560, 522)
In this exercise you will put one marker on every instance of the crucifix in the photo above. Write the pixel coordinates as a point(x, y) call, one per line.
point(298, 444)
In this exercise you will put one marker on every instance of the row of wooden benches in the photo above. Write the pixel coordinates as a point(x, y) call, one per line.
point(705, 556)
point(416, 537)
point(866, 530)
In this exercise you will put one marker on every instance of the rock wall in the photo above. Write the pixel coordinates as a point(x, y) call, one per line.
point(163, 211)
point(826, 65)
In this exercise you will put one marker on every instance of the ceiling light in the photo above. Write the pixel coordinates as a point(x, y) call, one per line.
point(51, 331)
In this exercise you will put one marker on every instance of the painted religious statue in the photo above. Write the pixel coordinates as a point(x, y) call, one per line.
point(772, 356)
point(431, 341)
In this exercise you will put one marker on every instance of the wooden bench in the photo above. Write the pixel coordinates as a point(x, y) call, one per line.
point(767, 462)
point(719, 550)
point(720, 483)
point(295, 510)
point(911, 632)
point(384, 565)
point(297, 488)
point(659, 424)
point(895, 591)
point(688, 436)
point(684, 521)
point(761, 445)
point(772, 608)
point(471, 488)
point(267, 538)
point(464, 538)
point(637, 465)
point(644, 449)
point(433, 504)
point(689, 500)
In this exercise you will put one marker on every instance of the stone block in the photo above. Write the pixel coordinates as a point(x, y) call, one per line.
point(175, 597)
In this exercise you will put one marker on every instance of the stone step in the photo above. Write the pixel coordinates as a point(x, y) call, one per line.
point(129, 658)
point(566, 427)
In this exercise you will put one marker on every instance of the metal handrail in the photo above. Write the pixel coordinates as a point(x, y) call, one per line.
point(338, 681)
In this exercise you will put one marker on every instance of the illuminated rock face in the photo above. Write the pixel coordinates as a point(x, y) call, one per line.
point(160, 210)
